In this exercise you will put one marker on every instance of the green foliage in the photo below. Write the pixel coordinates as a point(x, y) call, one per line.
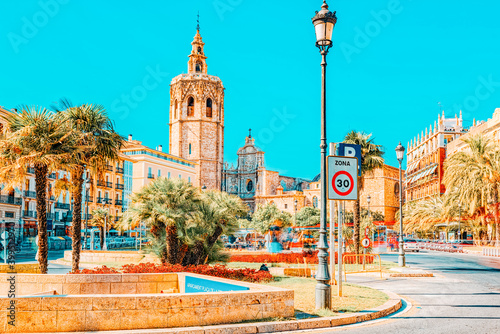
point(307, 216)
point(185, 223)
point(268, 215)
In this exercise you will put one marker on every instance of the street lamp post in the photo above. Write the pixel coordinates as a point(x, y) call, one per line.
point(87, 187)
point(368, 200)
point(295, 216)
point(324, 21)
point(400, 151)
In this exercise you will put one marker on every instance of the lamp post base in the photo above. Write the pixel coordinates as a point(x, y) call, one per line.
point(323, 295)
point(401, 260)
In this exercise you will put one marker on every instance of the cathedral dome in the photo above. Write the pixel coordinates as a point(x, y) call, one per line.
point(317, 178)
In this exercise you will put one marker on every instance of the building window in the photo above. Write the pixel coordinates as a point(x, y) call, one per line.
point(159, 172)
point(150, 173)
point(209, 107)
point(180, 176)
point(199, 50)
point(190, 111)
point(189, 148)
point(315, 202)
point(175, 109)
point(286, 206)
point(189, 179)
point(9, 214)
point(249, 185)
point(168, 175)
point(198, 67)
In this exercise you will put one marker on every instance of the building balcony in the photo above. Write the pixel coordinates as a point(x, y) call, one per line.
point(109, 185)
point(10, 200)
point(51, 216)
point(64, 206)
point(101, 183)
point(29, 214)
point(109, 168)
point(117, 219)
point(118, 202)
point(119, 170)
point(119, 186)
point(151, 176)
point(30, 170)
point(104, 200)
point(29, 194)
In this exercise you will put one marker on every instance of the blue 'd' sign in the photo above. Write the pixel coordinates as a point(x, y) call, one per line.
point(195, 284)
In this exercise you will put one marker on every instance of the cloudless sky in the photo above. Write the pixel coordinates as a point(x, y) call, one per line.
point(392, 62)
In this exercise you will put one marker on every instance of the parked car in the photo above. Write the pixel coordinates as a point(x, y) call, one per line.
point(410, 245)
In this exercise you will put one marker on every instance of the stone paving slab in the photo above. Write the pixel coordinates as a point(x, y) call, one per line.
point(392, 305)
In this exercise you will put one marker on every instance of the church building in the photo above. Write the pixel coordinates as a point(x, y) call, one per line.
point(197, 118)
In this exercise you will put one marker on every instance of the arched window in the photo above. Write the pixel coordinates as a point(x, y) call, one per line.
point(209, 107)
point(315, 201)
point(249, 185)
point(175, 109)
point(190, 111)
point(199, 50)
point(198, 67)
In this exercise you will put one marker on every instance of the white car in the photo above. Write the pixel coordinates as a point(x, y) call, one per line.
point(410, 245)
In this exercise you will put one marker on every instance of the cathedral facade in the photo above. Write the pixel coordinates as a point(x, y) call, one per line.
point(251, 181)
point(197, 118)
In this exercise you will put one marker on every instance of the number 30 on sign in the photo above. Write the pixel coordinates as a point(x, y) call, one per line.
point(342, 178)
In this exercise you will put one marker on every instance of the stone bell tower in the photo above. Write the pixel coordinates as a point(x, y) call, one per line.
point(197, 117)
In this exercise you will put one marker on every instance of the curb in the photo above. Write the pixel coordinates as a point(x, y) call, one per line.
point(412, 275)
point(392, 305)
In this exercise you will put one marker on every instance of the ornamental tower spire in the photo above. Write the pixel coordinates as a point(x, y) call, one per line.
point(197, 59)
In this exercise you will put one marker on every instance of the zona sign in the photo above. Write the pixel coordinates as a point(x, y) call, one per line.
point(342, 178)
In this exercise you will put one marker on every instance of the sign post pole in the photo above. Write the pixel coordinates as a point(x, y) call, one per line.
point(332, 233)
point(340, 220)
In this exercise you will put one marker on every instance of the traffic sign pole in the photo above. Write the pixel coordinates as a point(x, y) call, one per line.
point(340, 220)
point(332, 233)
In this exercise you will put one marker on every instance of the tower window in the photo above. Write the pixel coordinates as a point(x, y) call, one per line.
point(209, 107)
point(175, 109)
point(198, 67)
point(189, 148)
point(190, 111)
point(199, 50)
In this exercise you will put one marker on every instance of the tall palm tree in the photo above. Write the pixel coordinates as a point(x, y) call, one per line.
point(100, 144)
point(36, 138)
point(476, 173)
point(371, 159)
point(268, 215)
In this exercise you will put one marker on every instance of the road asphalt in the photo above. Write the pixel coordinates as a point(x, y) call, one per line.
point(463, 297)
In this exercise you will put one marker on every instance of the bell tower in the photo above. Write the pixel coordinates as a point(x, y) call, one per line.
point(197, 117)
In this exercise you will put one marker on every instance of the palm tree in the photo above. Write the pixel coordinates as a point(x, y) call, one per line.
point(100, 144)
point(476, 174)
point(101, 219)
point(218, 214)
point(371, 159)
point(36, 138)
point(165, 205)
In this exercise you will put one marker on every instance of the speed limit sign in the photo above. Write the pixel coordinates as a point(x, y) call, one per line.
point(342, 178)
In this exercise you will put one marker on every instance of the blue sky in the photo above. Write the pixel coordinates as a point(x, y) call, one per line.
point(393, 61)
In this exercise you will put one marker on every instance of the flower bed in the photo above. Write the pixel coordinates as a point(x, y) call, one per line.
point(290, 258)
point(248, 275)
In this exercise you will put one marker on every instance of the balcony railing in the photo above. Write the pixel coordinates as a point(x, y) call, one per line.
point(10, 200)
point(29, 214)
point(64, 206)
point(104, 200)
point(109, 184)
point(119, 170)
point(30, 170)
point(30, 194)
point(119, 186)
point(51, 216)
point(118, 202)
point(52, 176)
point(151, 176)
point(109, 167)
point(101, 183)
